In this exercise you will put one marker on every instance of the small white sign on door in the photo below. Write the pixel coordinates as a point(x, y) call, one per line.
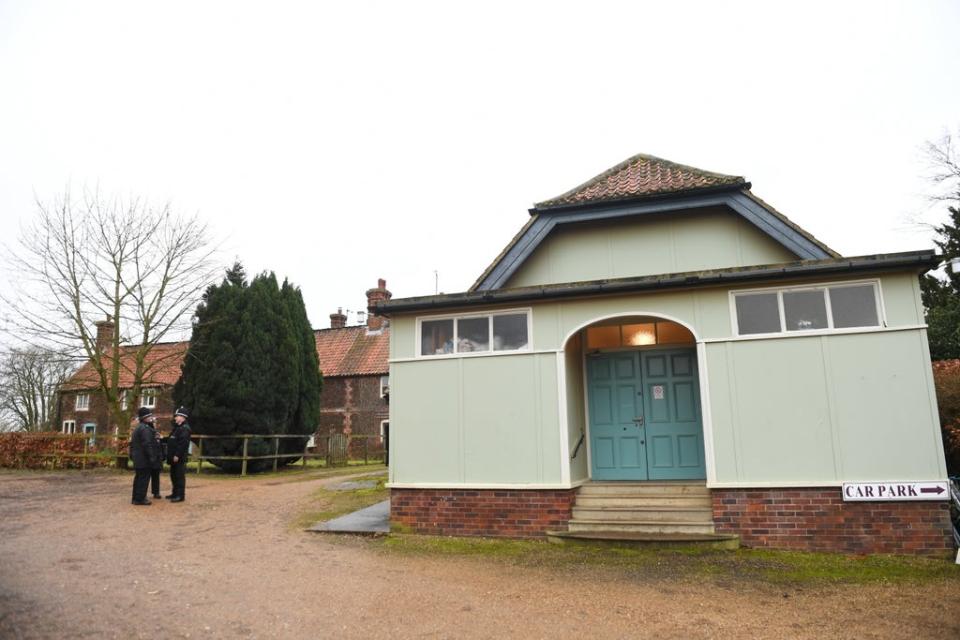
point(658, 392)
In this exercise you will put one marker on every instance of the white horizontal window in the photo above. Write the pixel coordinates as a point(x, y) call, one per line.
point(83, 402)
point(69, 426)
point(799, 309)
point(487, 333)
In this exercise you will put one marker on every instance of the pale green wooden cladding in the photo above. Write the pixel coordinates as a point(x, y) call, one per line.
point(712, 238)
point(800, 410)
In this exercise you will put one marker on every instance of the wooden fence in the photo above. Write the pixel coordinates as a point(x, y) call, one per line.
point(53, 450)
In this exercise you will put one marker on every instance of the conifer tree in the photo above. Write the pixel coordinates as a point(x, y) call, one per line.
point(251, 368)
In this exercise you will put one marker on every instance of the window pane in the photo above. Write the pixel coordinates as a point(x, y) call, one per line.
point(673, 333)
point(758, 313)
point(436, 336)
point(510, 332)
point(603, 337)
point(635, 335)
point(805, 310)
point(473, 334)
point(853, 306)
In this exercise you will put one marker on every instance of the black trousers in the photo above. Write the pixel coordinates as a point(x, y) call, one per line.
point(141, 480)
point(155, 482)
point(178, 478)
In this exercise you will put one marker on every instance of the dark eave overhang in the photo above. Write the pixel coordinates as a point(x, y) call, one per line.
point(917, 261)
point(545, 207)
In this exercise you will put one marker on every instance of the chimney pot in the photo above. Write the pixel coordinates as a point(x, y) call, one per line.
point(374, 321)
point(105, 332)
point(338, 320)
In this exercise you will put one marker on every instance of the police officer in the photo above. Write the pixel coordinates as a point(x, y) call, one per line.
point(145, 453)
point(178, 447)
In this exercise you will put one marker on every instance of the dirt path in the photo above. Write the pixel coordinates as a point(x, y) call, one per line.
point(78, 561)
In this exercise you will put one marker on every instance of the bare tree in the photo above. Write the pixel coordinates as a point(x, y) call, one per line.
point(943, 168)
point(80, 262)
point(29, 379)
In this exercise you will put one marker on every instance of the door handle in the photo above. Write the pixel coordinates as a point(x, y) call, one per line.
point(639, 421)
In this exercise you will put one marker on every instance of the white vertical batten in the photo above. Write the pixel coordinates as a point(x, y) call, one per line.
point(706, 414)
point(562, 415)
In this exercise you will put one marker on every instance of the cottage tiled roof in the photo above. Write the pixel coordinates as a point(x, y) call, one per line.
point(351, 351)
point(642, 176)
point(162, 367)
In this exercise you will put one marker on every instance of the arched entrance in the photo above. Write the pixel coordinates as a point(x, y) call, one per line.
point(642, 400)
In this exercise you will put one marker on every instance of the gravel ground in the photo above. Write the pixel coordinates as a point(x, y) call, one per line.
point(78, 561)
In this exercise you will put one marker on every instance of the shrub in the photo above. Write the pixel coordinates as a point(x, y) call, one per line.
point(946, 378)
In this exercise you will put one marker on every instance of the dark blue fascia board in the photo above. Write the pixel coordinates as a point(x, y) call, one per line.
point(751, 211)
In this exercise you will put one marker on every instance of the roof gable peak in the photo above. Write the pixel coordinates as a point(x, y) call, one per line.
point(642, 176)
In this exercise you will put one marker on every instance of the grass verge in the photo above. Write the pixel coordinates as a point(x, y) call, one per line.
point(327, 503)
point(774, 567)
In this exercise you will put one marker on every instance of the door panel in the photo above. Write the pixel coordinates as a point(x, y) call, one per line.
point(674, 428)
point(618, 450)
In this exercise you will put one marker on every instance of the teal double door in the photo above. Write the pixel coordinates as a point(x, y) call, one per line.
point(645, 418)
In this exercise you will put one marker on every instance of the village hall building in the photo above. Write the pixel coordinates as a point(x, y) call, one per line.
point(658, 354)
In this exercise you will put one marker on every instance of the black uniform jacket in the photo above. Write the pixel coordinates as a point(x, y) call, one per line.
point(144, 447)
point(178, 444)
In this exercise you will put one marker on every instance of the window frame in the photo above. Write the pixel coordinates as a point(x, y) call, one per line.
point(418, 343)
point(73, 426)
point(384, 384)
point(86, 402)
point(124, 399)
point(152, 393)
point(825, 287)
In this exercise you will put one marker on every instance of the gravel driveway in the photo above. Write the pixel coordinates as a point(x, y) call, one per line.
point(78, 561)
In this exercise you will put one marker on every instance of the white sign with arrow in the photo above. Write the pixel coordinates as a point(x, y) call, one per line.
point(894, 491)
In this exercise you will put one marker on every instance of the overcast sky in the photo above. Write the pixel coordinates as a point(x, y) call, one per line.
point(338, 143)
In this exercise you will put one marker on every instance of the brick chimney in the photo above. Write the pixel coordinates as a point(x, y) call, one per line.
point(338, 320)
point(375, 322)
point(105, 329)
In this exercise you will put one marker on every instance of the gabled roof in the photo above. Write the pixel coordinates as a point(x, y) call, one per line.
point(162, 368)
point(349, 351)
point(642, 176)
point(642, 185)
point(352, 351)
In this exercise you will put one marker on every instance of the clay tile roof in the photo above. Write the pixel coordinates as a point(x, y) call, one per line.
point(351, 351)
point(642, 176)
point(162, 367)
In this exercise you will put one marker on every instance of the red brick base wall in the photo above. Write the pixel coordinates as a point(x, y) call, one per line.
point(818, 519)
point(527, 513)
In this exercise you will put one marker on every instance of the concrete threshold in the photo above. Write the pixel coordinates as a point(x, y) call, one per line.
point(371, 521)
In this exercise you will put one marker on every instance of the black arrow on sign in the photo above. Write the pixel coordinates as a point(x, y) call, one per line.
point(936, 490)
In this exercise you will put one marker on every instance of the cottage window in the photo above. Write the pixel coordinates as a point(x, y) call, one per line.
point(69, 426)
point(792, 310)
point(508, 331)
point(149, 398)
point(384, 386)
point(83, 402)
point(124, 399)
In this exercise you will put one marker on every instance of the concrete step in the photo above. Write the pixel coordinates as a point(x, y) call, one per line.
point(685, 489)
point(644, 514)
point(650, 540)
point(660, 501)
point(640, 526)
